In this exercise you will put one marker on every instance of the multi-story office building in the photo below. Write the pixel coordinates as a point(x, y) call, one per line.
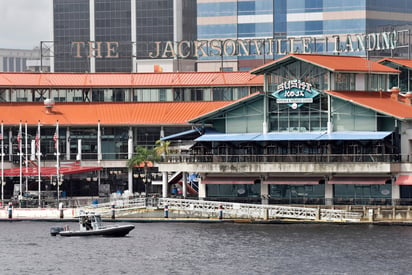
point(213, 35)
point(246, 34)
point(118, 36)
point(19, 60)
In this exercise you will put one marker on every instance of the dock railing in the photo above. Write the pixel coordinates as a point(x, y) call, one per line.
point(201, 208)
point(228, 210)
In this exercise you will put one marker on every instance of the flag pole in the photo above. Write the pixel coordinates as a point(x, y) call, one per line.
point(20, 161)
point(38, 159)
point(27, 163)
point(2, 163)
point(56, 140)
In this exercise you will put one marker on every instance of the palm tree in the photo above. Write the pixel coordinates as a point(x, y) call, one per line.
point(162, 148)
point(144, 158)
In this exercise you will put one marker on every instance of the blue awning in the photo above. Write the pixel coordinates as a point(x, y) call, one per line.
point(228, 137)
point(190, 134)
point(355, 135)
point(289, 136)
point(295, 136)
point(181, 134)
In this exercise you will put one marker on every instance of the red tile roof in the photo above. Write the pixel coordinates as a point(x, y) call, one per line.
point(141, 113)
point(378, 101)
point(126, 80)
point(402, 62)
point(335, 63)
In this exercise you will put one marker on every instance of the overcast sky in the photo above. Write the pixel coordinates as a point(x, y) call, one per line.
point(24, 23)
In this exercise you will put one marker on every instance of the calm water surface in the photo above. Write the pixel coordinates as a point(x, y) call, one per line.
point(191, 248)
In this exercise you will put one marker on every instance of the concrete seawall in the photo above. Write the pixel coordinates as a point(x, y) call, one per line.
point(370, 214)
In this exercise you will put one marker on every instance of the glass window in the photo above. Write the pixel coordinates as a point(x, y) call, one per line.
point(345, 82)
point(225, 93)
point(11, 64)
point(376, 82)
point(5, 64)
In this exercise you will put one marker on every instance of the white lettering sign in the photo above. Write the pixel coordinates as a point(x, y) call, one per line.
point(280, 46)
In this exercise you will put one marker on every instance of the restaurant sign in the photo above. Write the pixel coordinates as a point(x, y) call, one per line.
point(295, 93)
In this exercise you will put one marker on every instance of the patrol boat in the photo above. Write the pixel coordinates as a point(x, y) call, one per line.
point(91, 225)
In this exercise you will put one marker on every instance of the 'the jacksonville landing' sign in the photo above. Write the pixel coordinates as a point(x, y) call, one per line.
point(295, 93)
point(269, 46)
point(250, 47)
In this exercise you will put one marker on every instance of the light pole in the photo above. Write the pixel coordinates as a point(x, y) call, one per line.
point(146, 180)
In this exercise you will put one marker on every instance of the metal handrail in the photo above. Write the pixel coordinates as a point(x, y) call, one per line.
point(255, 211)
point(324, 158)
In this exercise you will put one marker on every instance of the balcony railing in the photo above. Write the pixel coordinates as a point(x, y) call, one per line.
point(322, 158)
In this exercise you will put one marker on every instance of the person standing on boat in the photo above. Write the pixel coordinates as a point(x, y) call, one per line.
point(88, 224)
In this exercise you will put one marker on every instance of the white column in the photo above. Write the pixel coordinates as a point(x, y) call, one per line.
point(177, 21)
point(184, 184)
point(164, 184)
point(33, 149)
point(202, 189)
point(92, 35)
point(134, 35)
point(264, 192)
point(79, 150)
point(162, 132)
point(99, 143)
point(129, 156)
point(177, 29)
point(396, 194)
point(51, 17)
point(328, 193)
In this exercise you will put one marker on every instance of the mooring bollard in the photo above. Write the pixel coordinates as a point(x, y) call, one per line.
point(10, 210)
point(113, 212)
point(61, 210)
point(220, 212)
point(166, 211)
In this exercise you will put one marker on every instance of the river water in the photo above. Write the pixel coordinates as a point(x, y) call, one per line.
point(209, 248)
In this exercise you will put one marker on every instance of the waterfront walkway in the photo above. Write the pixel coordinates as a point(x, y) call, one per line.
point(181, 210)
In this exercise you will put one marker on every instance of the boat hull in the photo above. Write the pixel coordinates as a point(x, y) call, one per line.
point(115, 231)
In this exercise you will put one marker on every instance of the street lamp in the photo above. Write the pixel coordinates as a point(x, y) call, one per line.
point(146, 178)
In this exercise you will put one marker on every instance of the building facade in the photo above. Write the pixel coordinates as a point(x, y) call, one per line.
point(327, 130)
point(117, 36)
point(18, 60)
point(308, 129)
point(101, 117)
point(278, 27)
point(220, 35)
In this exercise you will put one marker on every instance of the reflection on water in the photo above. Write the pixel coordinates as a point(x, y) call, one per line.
point(206, 248)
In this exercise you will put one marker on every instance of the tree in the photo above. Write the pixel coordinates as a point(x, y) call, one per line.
point(144, 158)
point(162, 148)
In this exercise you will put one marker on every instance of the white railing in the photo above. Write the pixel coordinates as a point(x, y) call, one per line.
point(207, 209)
point(122, 206)
point(255, 211)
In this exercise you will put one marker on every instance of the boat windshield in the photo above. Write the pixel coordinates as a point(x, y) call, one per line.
point(98, 219)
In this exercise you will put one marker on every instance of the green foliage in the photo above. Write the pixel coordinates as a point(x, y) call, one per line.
point(162, 148)
point(142, 157)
